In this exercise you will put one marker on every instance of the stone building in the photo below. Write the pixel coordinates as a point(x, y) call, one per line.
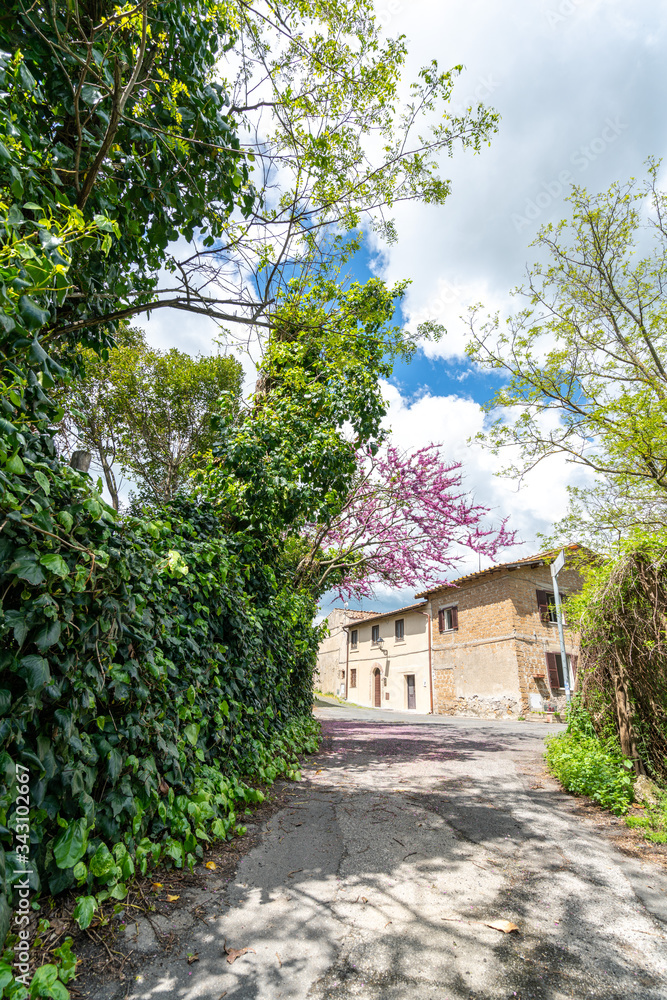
point(332, 656)
point(486, 645)
point(495, 649)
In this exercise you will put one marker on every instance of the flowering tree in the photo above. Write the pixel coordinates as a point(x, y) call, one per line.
point(404, 523)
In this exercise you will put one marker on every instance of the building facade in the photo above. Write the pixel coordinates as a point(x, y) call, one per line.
point(495, 645)
point(388, 660)
point(330, 672)
point(486, 645)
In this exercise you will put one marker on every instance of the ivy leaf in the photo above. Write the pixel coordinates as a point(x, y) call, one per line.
point(66, 519)
point(5, 701)
point(84, 911)
point(6, 975)
point(71, 845)
point(35, 672)
point(32, 315)
point(191, 733)
point(16, 620)
point(45, 983)
point(48, 636)
point(114, 764)
point(80, 872)
point(43, 481)
point(15, 465)
point(55, 564)
point(102, 862)
point(26, 568)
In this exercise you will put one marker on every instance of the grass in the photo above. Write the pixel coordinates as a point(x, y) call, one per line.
point(653, 823)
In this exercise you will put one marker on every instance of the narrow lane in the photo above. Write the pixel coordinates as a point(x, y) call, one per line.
point(405, 839)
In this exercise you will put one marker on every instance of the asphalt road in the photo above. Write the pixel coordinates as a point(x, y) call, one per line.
point(406, 837)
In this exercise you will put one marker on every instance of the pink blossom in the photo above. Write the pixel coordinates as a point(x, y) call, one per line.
point(404, 524)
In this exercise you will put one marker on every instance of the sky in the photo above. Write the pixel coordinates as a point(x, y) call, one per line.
point(580, 87)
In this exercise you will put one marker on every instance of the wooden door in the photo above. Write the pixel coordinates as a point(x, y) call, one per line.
point(378, 689)
point(412, 697)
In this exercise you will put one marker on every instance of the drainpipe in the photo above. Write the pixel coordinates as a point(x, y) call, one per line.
point(347, 659)
point(427, 615)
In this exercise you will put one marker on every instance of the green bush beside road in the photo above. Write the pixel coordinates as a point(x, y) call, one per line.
point(586, 764)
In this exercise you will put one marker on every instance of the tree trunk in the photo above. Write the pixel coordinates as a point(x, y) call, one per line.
point(624, 717)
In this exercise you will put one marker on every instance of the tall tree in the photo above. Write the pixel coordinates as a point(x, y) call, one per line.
point(156, 113)
point(305, 463)
point(586, 361)
point(288, 457)
point(147, 413)
point(128, 120)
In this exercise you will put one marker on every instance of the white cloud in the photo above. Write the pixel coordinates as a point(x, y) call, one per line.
point(451, 421)
point(577, 84)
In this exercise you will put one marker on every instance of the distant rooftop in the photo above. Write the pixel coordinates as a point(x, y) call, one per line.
point(541, 559)
point(390, 614)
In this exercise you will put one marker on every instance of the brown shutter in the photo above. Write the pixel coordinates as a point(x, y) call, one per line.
point(455, 617)
point(543, 605)
point(441, 620)
point(573, 664)
point(552, 670)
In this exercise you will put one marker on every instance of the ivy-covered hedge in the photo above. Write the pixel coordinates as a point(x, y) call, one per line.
point(144, 663)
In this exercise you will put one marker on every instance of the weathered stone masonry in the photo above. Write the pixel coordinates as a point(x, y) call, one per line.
point(493, 665)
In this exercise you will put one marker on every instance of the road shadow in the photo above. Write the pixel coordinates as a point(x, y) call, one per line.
point(386, 889)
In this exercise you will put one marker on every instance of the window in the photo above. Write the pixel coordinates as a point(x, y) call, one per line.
point(399, 628)
point(448, 619)
point(375, 634)
point(555, 669)
point(546, 602)
point(353, 677)
point(354, 638)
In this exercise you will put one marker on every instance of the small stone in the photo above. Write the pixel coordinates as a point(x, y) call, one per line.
point(647, 791)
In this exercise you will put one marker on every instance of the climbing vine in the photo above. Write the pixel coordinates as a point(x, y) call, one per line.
point(623, 618)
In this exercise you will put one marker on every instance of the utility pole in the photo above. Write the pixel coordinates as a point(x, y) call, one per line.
point(556, 567)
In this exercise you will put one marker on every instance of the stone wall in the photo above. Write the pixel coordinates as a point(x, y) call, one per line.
point(493, 665)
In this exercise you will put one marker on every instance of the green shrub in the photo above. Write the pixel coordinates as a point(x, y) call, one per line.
point(585, 764)
point(653, 822)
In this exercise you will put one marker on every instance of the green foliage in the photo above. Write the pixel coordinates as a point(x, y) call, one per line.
point(38, 238)
point(144, 664)
point(653, 821)
point(290, 458)
point(120, 115)
point(130, 115)
point(152, 676)
point(585, 764)
point(584, 365)
point(146, 411)
point(621, 614)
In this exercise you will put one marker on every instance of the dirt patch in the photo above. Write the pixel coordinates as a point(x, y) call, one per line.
point(630, 841)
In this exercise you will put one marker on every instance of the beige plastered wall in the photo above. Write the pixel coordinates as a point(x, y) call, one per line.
point(395, 659)
point(329, 675)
